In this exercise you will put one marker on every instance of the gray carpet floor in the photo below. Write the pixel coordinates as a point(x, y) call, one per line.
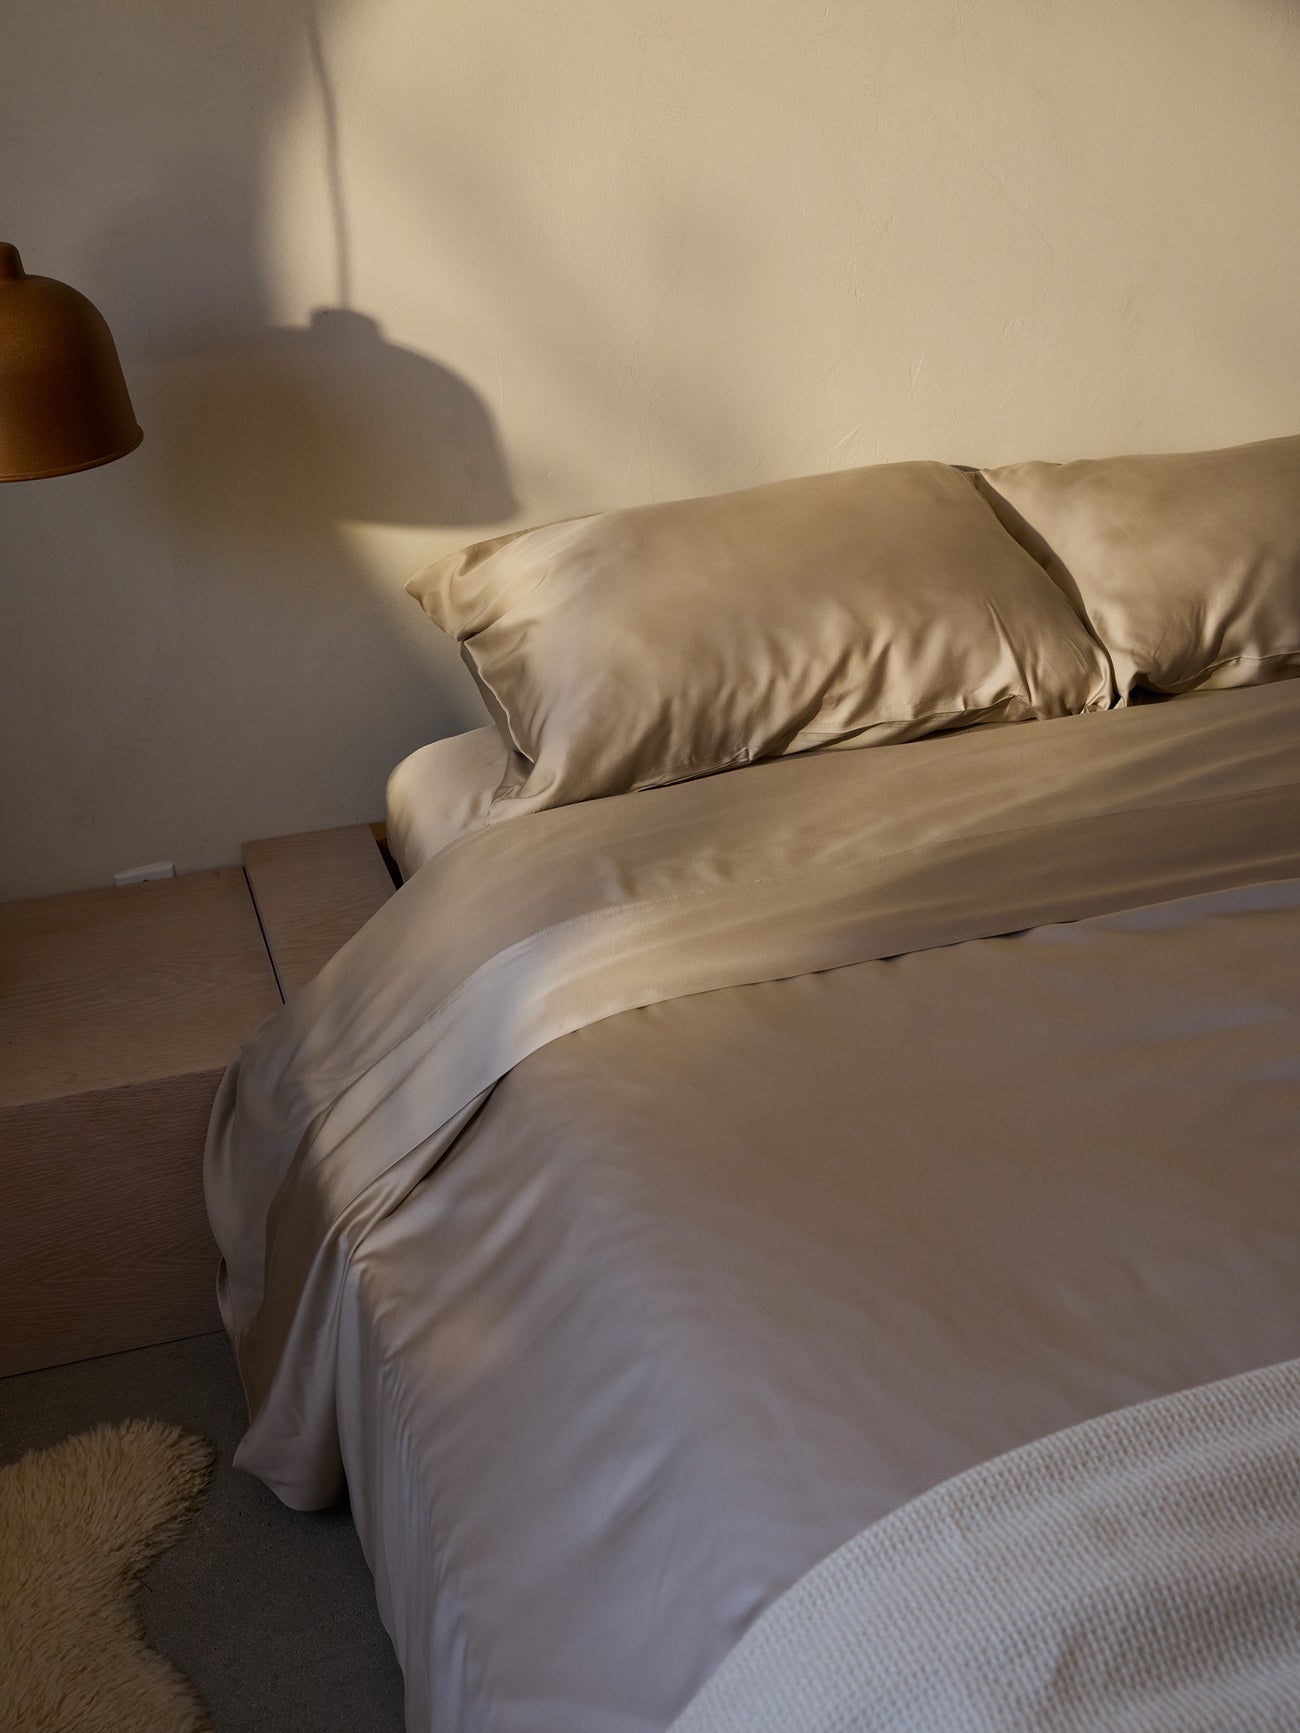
point(271, 1613)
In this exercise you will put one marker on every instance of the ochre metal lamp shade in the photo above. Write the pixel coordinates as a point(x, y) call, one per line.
point(64, 405)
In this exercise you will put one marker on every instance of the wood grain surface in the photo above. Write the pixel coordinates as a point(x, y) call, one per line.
point(313, 892)
point(104, 1241)
point(119, 1010)
point(128, 983)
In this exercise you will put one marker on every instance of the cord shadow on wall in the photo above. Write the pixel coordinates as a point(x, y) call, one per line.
point(286, 429)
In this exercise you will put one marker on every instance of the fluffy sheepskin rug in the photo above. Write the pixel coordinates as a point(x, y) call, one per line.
point(78, 1524)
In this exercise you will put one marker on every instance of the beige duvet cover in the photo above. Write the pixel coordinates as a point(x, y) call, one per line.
point(659, 1191)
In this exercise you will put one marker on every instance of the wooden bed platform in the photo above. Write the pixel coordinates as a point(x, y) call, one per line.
point(313, 891)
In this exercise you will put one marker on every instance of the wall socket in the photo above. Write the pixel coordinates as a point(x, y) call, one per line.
point(156, 869)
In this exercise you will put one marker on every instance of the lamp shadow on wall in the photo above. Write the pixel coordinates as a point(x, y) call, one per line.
point(266, 445)
point(275, 439)
point(292, 427)
point(330, 422)
point(278, 434)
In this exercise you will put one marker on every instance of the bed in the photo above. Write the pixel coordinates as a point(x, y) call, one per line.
point(665, 1187)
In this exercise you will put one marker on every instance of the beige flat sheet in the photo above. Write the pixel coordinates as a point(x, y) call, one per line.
point(709, 1284)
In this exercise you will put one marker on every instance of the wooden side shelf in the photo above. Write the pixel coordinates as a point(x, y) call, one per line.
point(313, 891)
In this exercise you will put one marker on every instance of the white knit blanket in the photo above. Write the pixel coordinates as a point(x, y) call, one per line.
point(1141, 1571)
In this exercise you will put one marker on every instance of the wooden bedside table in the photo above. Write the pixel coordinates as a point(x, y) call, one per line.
point(119, 1010)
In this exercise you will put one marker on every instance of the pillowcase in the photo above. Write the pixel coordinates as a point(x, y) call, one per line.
point(649, 645)
point(1187, 567)
point(441, 792)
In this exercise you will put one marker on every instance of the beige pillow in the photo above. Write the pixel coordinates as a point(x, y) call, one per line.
point(1187, 567)
point(662, 642)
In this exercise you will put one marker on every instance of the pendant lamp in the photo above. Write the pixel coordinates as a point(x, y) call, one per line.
point(64, 405)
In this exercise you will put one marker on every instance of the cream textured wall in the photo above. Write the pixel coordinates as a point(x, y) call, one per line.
point(592, 251)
